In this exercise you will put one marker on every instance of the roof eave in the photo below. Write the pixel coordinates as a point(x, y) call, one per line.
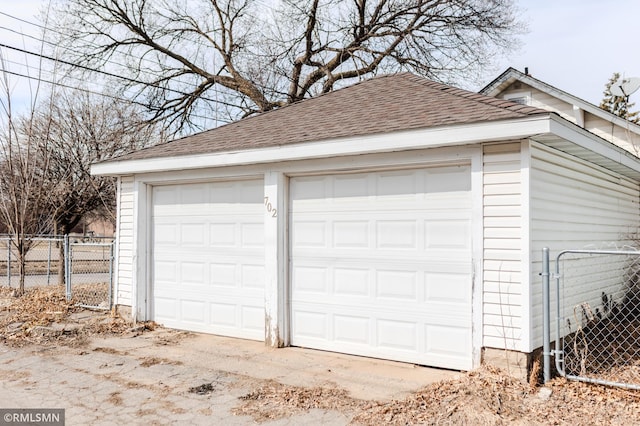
point(378, 143)
point(574, 140)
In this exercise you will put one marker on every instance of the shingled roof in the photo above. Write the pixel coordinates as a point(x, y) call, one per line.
point(379, 105)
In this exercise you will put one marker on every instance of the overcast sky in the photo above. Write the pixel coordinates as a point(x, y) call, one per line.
point(574, 45)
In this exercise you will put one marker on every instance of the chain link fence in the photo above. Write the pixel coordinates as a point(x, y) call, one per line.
point(41, 264)
point(598, 316)
point(81, 266)
point(91, 273)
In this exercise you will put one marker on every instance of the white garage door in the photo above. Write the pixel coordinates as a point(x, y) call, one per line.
point(208, 257)
point(381, 265)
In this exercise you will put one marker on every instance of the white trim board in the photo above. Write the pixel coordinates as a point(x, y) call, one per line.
point(387, 142)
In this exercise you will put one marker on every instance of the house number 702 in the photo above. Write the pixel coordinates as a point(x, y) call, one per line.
point(270, 208)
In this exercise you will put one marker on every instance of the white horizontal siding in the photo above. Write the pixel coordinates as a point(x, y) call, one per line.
point(502, 242)
point(613, 133)
point(548, 102)
point(124, 274)
point(541, 100)
point(576, 205)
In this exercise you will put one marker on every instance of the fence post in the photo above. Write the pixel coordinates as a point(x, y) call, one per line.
point(67, 266)
point(49, 264)
point(9, 262)
point(546, 329)
point(111, 262)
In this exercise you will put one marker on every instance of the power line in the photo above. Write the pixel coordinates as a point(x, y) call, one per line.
point(53, 83)
point(45, 41)
point(86, 68)
point(130, 80)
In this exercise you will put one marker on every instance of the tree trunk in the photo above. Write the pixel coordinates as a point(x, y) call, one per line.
point(22, 270)
point(61, 263)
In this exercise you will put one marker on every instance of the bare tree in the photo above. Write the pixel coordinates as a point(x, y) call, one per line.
point(75, 130)
point(24, 195)
point(45, 157)
point(179, 57)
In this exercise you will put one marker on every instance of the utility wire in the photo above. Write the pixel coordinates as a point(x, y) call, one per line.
point(44, 41)
point(53, 83)
point(216, 101)
point(130, 80)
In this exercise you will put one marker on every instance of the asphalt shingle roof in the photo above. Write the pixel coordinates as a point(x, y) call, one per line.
point(379, 105)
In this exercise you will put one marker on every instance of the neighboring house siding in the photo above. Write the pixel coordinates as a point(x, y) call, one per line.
point(605, 129)
point(612, 133)
point(124, 248)
point(541, 100)
point(575, 205)
point(502, 209)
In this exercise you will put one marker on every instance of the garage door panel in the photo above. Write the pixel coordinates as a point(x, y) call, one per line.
point(310, 324)
point(166, 270)
point(224, 314)
point(392, 184)
point(208, 253)
point(351, 329)
point(252, 276)
point(309, 188)
point(222, 235)
point(379, 261)
point(350, 234)
point(252, 319)
point(193, 272)
point(447, 341)
point(195, 195)
point(351, 282)
point(223, 274)
point(310, 279)
point(396, 334)
point(309, 234)
point(448, 234)
point(447, 179)
point(252, 234)
point(193, 311)
point(447, 288)
point(166, 234)
point(166, 308)
point(164, 200)
point(397, 234)
point(396, 285)
point(193, 234)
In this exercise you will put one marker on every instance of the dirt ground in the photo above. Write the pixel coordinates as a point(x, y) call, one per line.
point(104, 371)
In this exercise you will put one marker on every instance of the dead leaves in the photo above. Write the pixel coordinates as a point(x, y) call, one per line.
point(486, 396)
point(43, 315)
point(273, 400)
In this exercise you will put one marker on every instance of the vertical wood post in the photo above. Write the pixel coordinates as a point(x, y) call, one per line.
point(275, 288)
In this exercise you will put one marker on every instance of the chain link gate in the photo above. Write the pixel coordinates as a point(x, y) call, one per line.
point(597, 316)
point(90, 274)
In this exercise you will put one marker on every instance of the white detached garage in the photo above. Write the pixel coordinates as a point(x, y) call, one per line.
point(406, 227)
